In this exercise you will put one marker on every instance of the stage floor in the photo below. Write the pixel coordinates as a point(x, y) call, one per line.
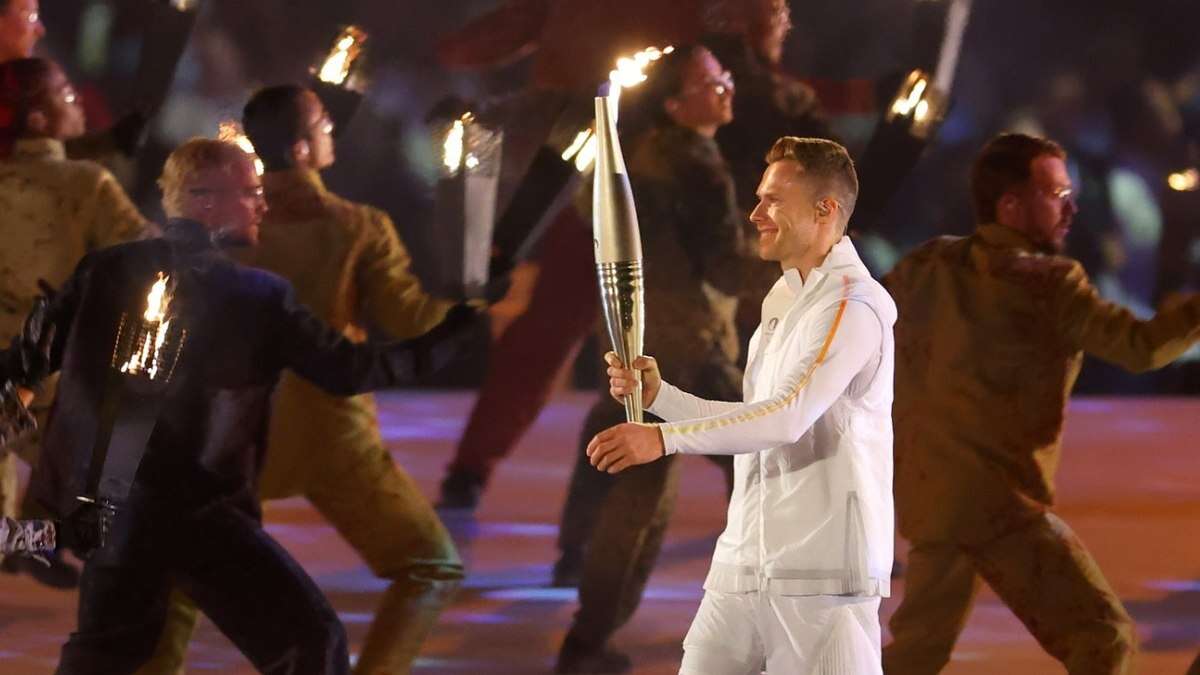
point(1128, 485)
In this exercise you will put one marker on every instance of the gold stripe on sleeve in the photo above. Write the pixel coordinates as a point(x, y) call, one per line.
point(709, 425)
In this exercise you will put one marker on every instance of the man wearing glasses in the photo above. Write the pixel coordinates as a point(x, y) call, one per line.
point(56, 210)
point(347, 263)
point(991, 333)
point(187, 447)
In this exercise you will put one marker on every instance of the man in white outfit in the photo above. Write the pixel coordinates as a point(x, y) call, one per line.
point(806, 555)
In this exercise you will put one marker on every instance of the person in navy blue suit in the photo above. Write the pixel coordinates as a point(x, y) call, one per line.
point(185, 511)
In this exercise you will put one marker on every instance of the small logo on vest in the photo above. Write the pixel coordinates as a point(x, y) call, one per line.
point(772, 324)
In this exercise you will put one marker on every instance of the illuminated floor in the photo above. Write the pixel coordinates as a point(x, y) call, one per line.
point(1128, 486)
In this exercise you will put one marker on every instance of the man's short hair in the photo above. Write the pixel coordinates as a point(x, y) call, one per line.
point(1003, 164)
point(273, 121)
point(824, 161)
point(194, 156)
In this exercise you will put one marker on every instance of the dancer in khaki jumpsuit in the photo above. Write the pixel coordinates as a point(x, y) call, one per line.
point(991, 333)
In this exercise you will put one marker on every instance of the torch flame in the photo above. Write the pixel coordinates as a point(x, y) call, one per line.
point(231, 132)
point(157, 300)
point(582, 150)
point(629, 73)
point(346, 49)
point(1184, 181)
point(904, 105)
point(454, 145)
point(147, 354)
point(631, 70)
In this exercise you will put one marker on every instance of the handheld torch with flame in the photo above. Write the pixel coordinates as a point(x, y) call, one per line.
point(145, 353)
point(616, 237)
point(339, 79)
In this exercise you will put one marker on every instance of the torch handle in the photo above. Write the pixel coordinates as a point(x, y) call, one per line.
point(633, 402)
point(622, 297)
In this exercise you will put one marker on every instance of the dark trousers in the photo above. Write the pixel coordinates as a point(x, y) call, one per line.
point(617, 522)
point(534, 348)
point(254, 592)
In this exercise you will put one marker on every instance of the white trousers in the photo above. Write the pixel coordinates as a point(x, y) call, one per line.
point(743, 633)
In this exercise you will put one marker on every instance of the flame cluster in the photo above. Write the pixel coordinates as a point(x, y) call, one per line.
point(147, 354)
point(231, 132)
point(630, 71)
point(347, 48)
point(1187, 180)
point(912, 101)
point(454, 155)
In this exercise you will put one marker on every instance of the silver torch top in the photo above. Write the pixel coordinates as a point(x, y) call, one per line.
point(614, 220)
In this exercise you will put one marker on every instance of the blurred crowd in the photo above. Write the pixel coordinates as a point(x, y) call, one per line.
point(1117, 84)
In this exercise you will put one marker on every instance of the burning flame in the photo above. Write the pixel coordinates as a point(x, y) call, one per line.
point(629, 73)
point(454, 145)
point(231, 132)
point(1184, 181)
point(912, 102)
point(184, 5)
point(147, 354)
point(346, 49)
point(582, 150)
point(631, 70)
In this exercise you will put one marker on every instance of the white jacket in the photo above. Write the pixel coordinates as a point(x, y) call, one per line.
point(811, 512)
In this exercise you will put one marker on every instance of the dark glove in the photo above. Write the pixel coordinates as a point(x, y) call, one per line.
point(29, 360)
point(463, 327)
point(88, 527)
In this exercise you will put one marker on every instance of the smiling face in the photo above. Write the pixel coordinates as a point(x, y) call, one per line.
point(796, 224)
point(705, 99)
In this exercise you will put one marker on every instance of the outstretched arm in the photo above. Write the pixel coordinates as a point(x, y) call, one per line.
point(326, 358)
point(1111, 332)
